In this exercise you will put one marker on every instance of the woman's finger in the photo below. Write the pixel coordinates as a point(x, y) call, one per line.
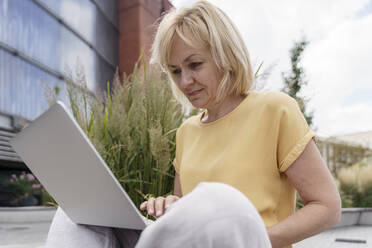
point(150, 206)
point(159, 206)
point(169, 200)
point(143, 205)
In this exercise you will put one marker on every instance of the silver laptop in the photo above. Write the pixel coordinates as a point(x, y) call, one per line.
point(60, 155)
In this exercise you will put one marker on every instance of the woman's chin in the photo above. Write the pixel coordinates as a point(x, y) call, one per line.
point(197, 103)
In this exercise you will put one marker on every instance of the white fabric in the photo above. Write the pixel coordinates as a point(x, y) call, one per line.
point(212, 215)
point(63, 233)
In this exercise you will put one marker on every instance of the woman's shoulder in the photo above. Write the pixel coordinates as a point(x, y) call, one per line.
point(273, 99)
point(272, 96)
point(192, 121)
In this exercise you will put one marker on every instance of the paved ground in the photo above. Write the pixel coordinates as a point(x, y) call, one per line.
point(15, 232)
point(33, 235)
point(351, 233)
point(22, 235)
point(24, 227)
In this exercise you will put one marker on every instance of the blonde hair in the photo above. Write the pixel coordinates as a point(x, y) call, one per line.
point(204, 24)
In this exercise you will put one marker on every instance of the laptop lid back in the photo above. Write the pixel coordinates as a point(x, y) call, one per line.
point(58, 152)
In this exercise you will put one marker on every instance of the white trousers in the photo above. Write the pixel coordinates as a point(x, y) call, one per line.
point(212, 215)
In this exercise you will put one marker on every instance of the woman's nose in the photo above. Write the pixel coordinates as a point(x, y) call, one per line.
point(186, 79)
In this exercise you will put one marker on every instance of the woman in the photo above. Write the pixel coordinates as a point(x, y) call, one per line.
point(257, 142)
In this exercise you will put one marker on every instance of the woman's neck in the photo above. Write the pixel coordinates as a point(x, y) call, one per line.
point(222, 108)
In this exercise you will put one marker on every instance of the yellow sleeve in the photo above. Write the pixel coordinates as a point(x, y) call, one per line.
point(294, 133)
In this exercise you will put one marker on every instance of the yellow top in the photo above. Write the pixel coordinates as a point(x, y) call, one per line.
point(249, 149)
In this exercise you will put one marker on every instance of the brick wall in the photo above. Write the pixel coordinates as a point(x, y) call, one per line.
point(136, 29)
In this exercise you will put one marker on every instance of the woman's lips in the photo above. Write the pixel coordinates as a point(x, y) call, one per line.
point(195, 92)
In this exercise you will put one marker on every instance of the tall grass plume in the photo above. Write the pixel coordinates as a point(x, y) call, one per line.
point(133, 126)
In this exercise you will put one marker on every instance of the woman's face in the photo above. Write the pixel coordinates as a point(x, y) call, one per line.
point(195, 73)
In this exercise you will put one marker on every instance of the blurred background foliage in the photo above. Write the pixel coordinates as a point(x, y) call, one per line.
point(355, 185)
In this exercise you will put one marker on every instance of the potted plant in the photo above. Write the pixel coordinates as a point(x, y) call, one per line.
point(22, 190)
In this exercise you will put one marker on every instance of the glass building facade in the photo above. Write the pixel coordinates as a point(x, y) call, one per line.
point(39, 39)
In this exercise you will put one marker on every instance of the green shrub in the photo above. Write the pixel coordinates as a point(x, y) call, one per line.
point(17, 187)
point(299, 203)
point(355, 184)
point(366, 200)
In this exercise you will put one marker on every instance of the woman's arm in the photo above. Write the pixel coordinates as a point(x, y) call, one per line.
point(177, 186)
point(156, 206)
point(310, 176)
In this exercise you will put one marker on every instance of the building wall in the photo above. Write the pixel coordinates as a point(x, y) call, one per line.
point(362, 138)
point(39, 39)
point(137, 26)
point(338, 154)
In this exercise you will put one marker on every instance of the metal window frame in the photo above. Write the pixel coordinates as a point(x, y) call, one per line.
point(39, 65)
point(31, 60)
point(103, 13)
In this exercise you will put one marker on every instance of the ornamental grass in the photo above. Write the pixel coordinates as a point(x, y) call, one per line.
point(355, 184)
point(133, 127)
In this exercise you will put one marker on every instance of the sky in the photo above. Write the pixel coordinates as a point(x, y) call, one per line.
point(337, 60)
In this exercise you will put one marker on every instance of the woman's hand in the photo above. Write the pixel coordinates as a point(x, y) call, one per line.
point(156, 206)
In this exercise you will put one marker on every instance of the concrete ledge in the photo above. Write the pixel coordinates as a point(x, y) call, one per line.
point(26, 214)
point(366, 217)
point(350, 216)
point(355, 216)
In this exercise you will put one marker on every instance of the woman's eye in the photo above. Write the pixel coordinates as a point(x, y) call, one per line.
point(194, 65)
point(176, 71)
